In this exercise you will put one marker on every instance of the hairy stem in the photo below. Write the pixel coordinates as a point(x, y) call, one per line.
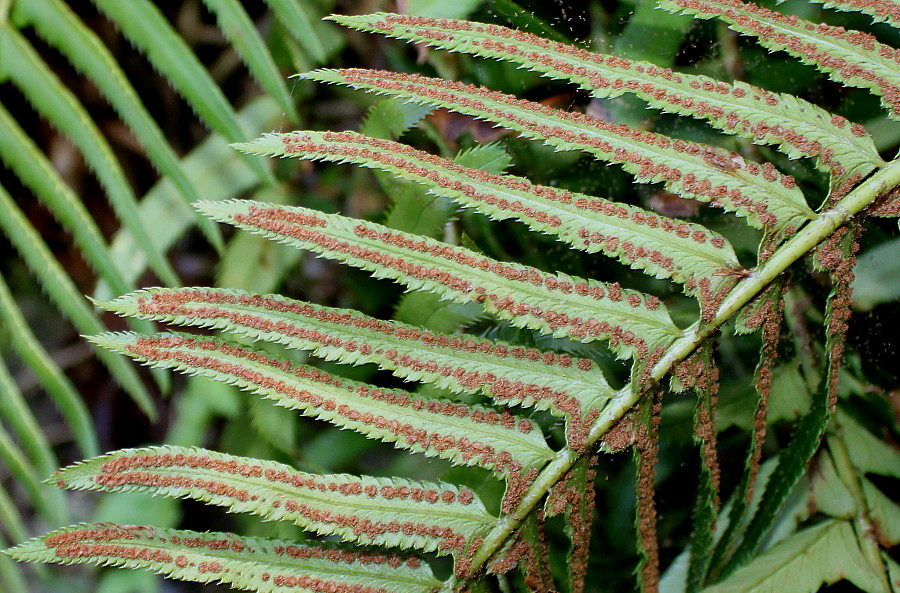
point(791, 251)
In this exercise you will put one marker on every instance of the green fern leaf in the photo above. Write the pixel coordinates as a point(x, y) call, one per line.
point(295, 16)
point(18, 465)
point(561, 305)
point(58, 105)
point(803, 129)
point(212, 165)
point(73, 408)
point(65, 295)
point(820, 555)
point(55, 22)
point(692, 252)
point(143, 24)
point(851, 57)
point(759, 193)
point(461, 363)
point(31, 166)
point(14, 410)
point(886, 11)
point(462, 434)
point(256, 564)
point(237, 26)
point(432, 517)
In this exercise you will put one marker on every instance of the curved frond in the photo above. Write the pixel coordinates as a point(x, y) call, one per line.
point(65, 295)
point(256, 564)
point(461, 363)
point(55, 22)
point(462, 434)
point(392, 512)
point(635, 324)
point(690, 253)
point(886, 11)
point(759, 193)
point(802, 129)
point(235, 23)
point(58, 105)
point(850, 57)
point(143, 24)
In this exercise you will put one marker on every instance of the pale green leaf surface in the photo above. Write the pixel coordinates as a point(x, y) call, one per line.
point(828, 493)
point(686, 252)
point(884, 513)
point(58, 105)
point(804, 562)
point(65, 295)
point(760, 194)
point(55, 22)
point(851, 57)
point(558, 304)
point(296, 17)
point(877, 278)
point(466, 435)
point(144, 25)
point(262, 565)
point(867, 452)
point(241, 32)
point(461, 363)
point(737, 108)
point(352, 507)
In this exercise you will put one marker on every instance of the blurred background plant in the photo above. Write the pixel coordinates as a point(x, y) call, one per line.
point(114, 116)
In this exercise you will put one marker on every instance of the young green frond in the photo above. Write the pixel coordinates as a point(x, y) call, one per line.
point(255, 564)
point(802, 129)
point(463, 434)
point(759, 193)
point(431, 517)
point(461, 363)
point(850, 57)
point(636, 325)
point(585, 222)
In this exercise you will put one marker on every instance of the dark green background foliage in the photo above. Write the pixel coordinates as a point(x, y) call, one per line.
point(60, 402)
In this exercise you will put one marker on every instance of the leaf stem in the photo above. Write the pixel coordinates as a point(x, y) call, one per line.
point(795, 248)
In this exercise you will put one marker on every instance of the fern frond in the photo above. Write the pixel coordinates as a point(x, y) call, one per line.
point(212, 165)
point(461, 363)
point(14, 411)
point(31, 166)
point(55, 22)
point(392, 512)
point(585, 310)
point(802, 129)
point(43, 89)
point(851, 57)
point(237, 26)
point(65, 295)
point(761, 194)
point(462, 434)
point(144, 25)
point(885, 11)
point(804, 562)
point(295, 16)
point(256, 564)
point(18, 465)
point(690, 253)
point(51, 377)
